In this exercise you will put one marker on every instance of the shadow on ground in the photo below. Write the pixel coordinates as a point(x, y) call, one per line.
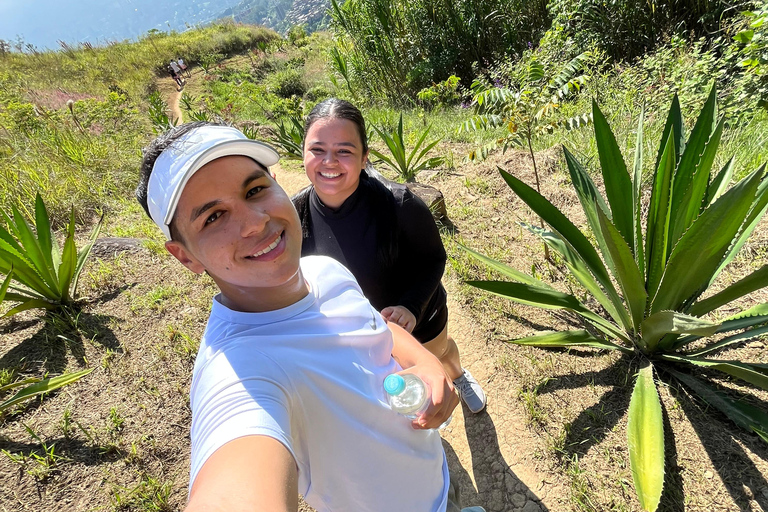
point(497, 489)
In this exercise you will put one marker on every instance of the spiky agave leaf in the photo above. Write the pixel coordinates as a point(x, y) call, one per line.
point(645, 437)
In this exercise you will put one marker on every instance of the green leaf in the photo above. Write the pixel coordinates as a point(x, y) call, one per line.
point(756, 212)
point(756, 375)
point(627, 274)
point(745, 36)
point(5, 285)
point(754, 281)
point(674, 126)
point(44, 235)
point(548, 299)
point(506, 270)
point(637, 210)
point(44, 386)
point(32, 250)
point(720, 182)
point(83, 254)
point(590, 199)
point(744, 415)
point(561, 225)
point(30, 304)
point(673, 322)
point(579, 270)
point(565, 339)
point(24, 271)
point(693, 198)
point(68, 260)
point(645, 434)
point(657, 225)
point(618, 186)
point(699, 252)
point(688, 163)
point(729, 340)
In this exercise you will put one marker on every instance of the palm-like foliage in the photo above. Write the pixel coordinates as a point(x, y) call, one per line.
point(695, 226)
point(407, 164)
point(40, 273)
point(288, 137)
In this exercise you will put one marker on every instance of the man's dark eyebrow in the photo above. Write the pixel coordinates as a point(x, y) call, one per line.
point(201, 209)
point(258, 173)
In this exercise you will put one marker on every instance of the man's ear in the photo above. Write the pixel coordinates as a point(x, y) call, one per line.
point(182, 254)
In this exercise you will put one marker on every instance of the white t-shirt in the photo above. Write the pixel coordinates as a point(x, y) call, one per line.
point(311, 376)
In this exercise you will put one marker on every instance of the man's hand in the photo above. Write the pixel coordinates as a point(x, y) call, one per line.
point(419, 361)
point(399, 315)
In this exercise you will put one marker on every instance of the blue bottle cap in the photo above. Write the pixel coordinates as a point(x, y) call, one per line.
point(394, 384)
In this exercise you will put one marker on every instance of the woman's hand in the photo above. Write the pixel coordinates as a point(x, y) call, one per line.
point(400, 316)
point(443, 398)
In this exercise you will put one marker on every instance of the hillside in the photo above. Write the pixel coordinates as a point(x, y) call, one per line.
point(281, 14)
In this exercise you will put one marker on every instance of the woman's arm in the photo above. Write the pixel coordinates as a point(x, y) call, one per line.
point(414, 358)
point(421, 248)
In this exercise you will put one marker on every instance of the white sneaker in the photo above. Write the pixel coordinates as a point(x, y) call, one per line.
point(470, 392)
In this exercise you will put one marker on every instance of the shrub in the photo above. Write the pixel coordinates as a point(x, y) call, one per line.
point(695, 226)
point(287, 83)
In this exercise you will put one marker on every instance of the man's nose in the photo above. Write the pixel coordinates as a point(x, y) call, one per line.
point(254, 221)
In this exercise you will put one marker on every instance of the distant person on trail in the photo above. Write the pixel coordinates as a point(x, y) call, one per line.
point(382, 232)
point(183, 68)
point(287, 390)
point(175, 77)
point(177, 71)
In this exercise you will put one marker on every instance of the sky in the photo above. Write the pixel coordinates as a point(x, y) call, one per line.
point(43, 23)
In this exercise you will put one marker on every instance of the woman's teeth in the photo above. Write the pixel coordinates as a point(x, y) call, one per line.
point(330, 175)
point(268, 248)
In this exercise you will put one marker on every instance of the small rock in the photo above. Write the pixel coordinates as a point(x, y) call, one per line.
point(532, 506)
point(497, 500)
point(518, 500)
point(432, 197)
point(708, 474)
point(509, 483)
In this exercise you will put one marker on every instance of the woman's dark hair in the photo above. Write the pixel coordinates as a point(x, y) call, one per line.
point(334, 108)
point(152, 152)
point(379, 188)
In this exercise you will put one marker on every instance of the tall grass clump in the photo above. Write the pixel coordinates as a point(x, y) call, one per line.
point(396, 48)
point(650, 275)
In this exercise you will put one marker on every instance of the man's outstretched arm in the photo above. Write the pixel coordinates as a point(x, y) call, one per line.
point(248, 474)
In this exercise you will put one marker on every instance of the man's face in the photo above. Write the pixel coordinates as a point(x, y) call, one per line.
point(239, 225)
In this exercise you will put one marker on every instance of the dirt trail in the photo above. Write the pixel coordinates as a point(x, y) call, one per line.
point(172, 94)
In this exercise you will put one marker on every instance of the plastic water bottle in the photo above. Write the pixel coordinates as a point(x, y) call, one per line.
point(409, 396)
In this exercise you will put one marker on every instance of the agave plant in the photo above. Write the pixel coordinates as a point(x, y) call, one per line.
point(407, 165)
point(695, 227)
point(288, 136)
point(40, 273)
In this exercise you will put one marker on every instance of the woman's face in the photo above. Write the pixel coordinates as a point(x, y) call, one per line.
point(333, 159)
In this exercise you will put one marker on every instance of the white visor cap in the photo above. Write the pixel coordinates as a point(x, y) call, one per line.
point(186, 155)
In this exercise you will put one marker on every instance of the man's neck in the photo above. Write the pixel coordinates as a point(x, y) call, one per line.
point(259, 300)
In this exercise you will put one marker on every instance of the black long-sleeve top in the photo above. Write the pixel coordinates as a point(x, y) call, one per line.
point(350, 235)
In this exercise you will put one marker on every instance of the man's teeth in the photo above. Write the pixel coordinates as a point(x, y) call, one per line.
point(330, 175)
point(268, 248)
